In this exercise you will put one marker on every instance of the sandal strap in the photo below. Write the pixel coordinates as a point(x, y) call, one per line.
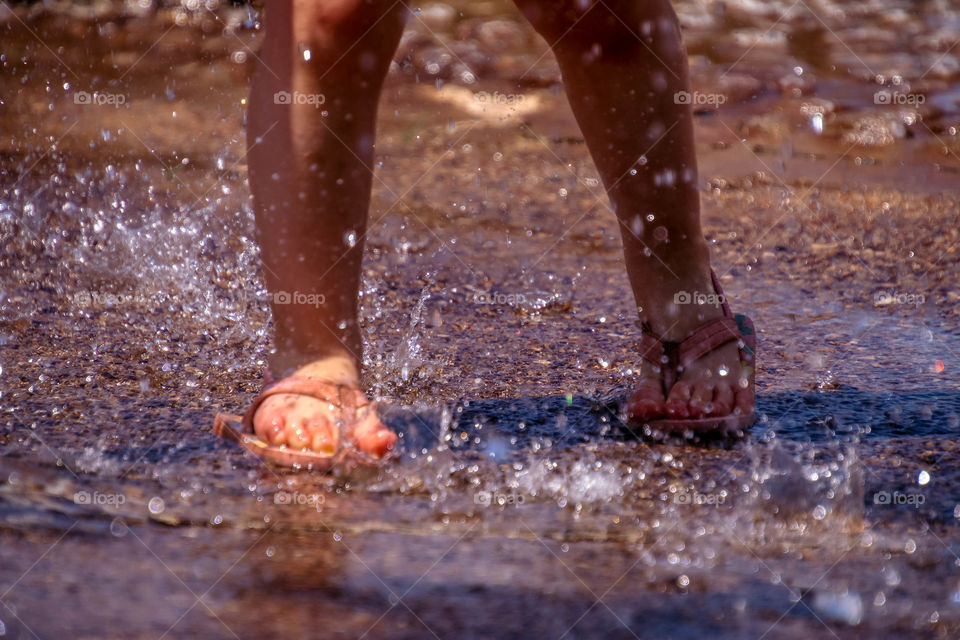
point(651, 349)
point(707, 338)
point(340, 396)
point(719, 291)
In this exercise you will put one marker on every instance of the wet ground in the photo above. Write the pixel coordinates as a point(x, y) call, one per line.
point(498, 335)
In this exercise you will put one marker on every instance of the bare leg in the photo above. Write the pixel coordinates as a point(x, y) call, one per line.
point(622, 62)
point(310, 133)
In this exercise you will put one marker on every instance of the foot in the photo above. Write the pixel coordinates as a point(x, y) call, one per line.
point(302, 422)
point(712, 386)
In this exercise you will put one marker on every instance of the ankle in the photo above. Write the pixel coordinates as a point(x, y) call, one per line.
point(338, 368)
point(680, 305)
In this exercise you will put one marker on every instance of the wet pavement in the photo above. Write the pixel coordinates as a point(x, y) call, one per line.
point(498, 335)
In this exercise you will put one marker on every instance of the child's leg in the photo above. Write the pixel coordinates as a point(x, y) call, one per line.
point(622, 62)
point(310, 134)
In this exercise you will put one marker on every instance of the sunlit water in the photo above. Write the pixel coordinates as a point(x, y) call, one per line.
point(132, 309)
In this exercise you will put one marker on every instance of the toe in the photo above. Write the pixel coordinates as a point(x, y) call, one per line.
point(722, 400)
point(701, 399)
point(373, 437)
point(299, 434)
point(323, 438)
point(269, 424)
point(678, 400)
point(379, 442)
point(744, 401)
point(646, 403)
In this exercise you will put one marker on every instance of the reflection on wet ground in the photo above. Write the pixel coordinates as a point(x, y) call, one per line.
point(499, 333)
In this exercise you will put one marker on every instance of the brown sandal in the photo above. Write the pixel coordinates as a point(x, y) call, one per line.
point(341, 397)
point(673, 357)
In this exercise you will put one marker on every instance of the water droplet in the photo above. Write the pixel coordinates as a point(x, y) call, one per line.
point(923, 477)
point(118, 527)
point(845, 607)
point(667, 177)
point(892, 578)
point(156, 505)
point(816, 121)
